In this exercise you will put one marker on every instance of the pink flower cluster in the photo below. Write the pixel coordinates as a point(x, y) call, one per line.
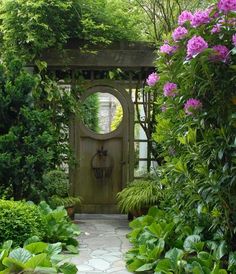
point(227, 5)
point(195, 46)
point(179, 33)
point(192, 105)
point(221, 53)
point(167, 49)
point(216, 29)
point(200, 18)
point(185, 16)
point(152, 79)
point(170, 89)
point(234, 39)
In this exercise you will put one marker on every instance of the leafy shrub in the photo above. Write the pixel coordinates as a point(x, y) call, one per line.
point(34, 257)
point(28, 139)
point(164, 245)
point(56, 183)
point(195, 121)
point(139, 194)
point(56, 201)
point(58, 227)
point(19, 221)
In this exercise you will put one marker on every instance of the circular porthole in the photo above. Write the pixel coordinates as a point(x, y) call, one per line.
point(102, 112)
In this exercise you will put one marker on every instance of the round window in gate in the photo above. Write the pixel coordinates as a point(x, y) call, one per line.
point(102, 112)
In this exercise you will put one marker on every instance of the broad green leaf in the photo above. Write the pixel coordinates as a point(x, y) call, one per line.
point(36, 248)
point(54, 249)
point(31, 240)
point(156, 229)
point(221, 250)
point(206, 259)
point(13, 265)
point(190, 241)
point(46, 270)
point(164, 266)
point(134, 265)
point(145, 267)
point(7, 245)
point(196, 268)
point(155, 253)
point(20, 254)
point(72, 249)
point(68, 268)
point(38, 260)
point(156, 212)
point(232, 261)
point(174, 255)
point(3, 254)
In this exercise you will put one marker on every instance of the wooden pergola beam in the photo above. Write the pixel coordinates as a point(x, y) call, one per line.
point(118, 55)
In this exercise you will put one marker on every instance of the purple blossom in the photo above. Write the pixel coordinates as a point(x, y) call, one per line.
point(200, 18)
point(184, 17)
point(221, 53)
point(179, 33)
point(152, 79)
point(170, 89)
point(216, 29)
point(234, 39)
point(227, 5)
point(167, 49)
point(195, 46)
point(192, 105)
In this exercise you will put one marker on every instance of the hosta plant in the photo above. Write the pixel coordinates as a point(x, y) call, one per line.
point(34, 257)
point(162, 244)
point(58, 227)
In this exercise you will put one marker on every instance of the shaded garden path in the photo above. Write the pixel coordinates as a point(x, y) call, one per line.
point(102, 243)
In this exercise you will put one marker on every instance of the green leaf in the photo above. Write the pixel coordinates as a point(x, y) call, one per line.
point(72, 249)
point(54, 249)
point(134, 265)
point(221, 250)
point(163, 266)
point(68, 268)
point(46, 270)
point(13, 265)
point(20, 254)
point(36, 248)
point(156, 229)
point(197, 268)
point(190, 241)
point(205, 258)
point(174, 255)
point(38, 260)
point(232, 261)
point(7, 245)
point(145, 267)
point(31, 240)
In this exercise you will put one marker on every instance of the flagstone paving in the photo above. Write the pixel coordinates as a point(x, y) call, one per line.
point(102, 244)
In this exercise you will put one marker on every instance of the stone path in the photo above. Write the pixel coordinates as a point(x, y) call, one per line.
point(102, 244)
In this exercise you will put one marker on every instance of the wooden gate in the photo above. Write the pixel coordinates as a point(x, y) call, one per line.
point(104, 161)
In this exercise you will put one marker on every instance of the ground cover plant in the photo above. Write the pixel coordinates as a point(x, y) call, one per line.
point(195, 136)
point(32, 238)
point(34, 257)
point(21, 220)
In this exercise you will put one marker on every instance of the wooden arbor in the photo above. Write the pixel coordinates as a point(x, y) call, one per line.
point(114, 152)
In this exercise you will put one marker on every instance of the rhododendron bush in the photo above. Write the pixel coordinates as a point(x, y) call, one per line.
point(194, 228)
point(196, 120)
